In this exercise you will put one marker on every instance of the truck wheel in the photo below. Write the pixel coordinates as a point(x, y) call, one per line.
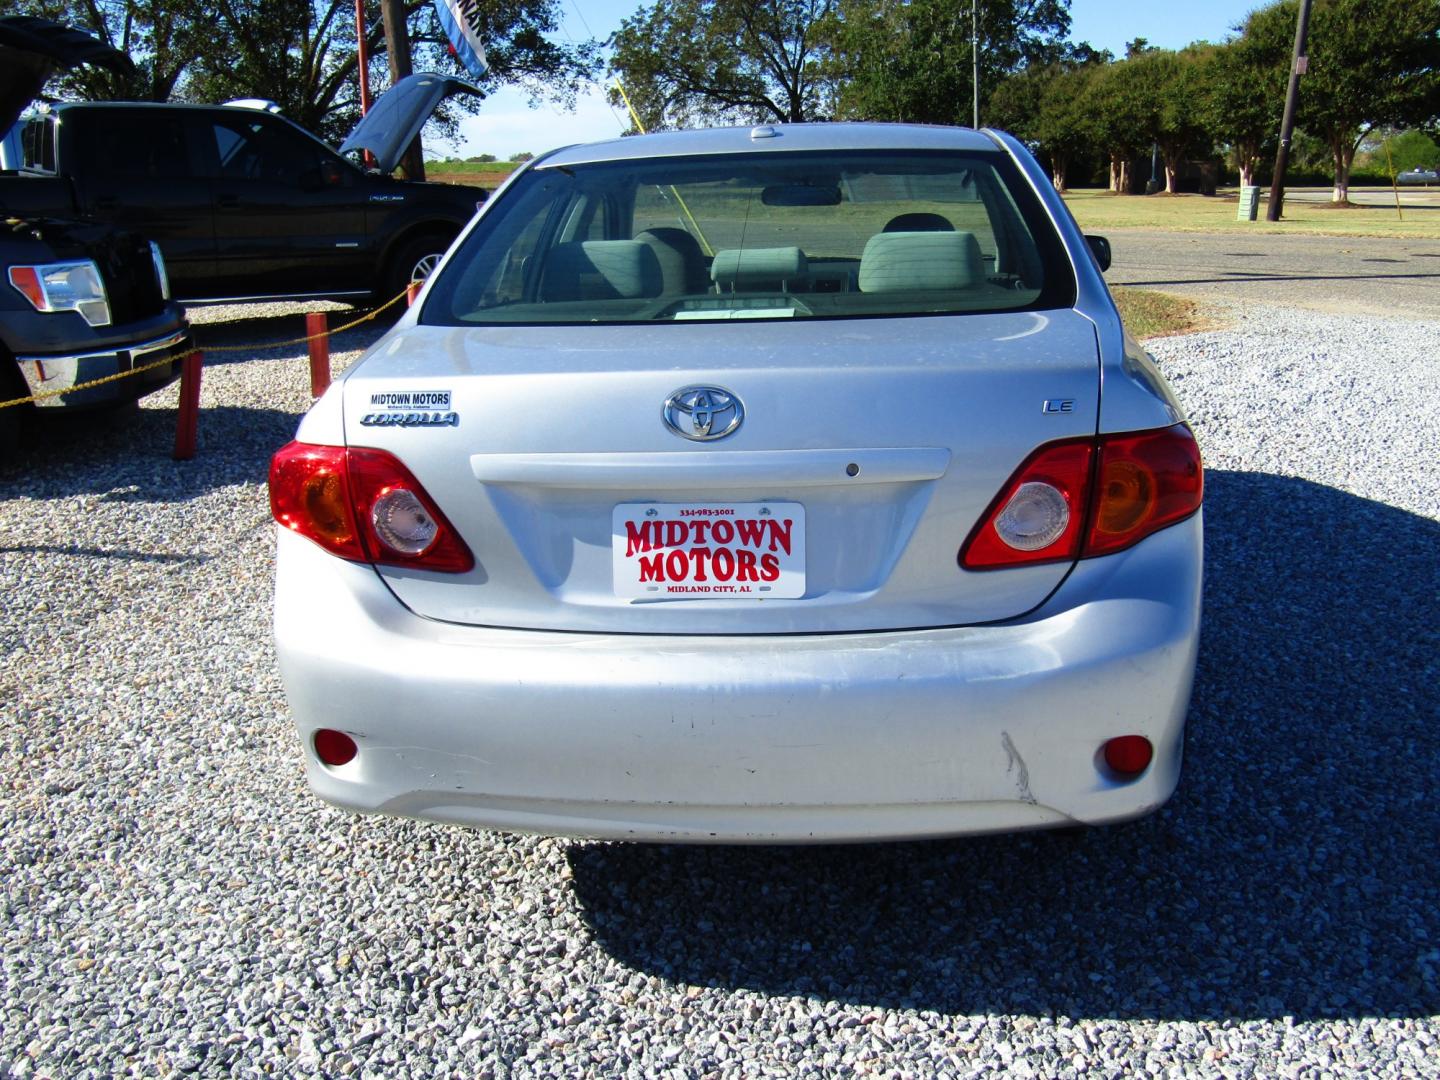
point(413, 262)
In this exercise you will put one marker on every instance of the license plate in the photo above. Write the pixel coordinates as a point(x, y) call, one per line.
point(708, 550)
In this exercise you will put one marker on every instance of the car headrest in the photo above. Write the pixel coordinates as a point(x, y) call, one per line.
point(682, 262)
point(601, 270)
point(918, 222)
point(748, 268)
point(920, 262)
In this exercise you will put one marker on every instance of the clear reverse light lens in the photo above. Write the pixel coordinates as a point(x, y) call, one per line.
point(160, 273)
point(402, 522)
point(72, 286)
point(1034, 518)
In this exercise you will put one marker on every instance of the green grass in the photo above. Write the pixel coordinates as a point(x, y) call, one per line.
point(1149, 314)
point(1097, 211)
point(487, 174)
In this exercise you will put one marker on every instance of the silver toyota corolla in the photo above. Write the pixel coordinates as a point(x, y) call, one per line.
point(788, 483)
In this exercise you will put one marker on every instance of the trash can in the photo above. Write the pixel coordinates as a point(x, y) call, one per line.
point(1249, 204)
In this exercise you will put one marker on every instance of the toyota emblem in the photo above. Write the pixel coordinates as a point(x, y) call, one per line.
point(703, 413)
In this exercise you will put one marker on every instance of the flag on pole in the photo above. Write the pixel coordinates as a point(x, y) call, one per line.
point(460, 18)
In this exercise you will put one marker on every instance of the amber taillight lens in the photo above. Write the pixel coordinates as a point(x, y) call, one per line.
point(1145, 481)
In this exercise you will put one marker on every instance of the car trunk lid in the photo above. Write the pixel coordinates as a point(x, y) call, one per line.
point(867, 452)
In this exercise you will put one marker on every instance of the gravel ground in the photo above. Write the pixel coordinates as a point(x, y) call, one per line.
point(174, 901)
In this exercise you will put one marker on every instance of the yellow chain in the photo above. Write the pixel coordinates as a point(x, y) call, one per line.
point(170, 358)
point(309, 338)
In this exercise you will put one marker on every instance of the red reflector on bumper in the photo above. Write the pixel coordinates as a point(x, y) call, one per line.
point(1129, 755)
point(334, 747)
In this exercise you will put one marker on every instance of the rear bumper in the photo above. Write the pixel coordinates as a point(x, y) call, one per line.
point(47, 374)
point(774, 738)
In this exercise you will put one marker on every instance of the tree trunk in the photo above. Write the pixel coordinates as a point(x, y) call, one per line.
point(1344, 153)
point(1058, 168)
point(1172, 172)
point(397, 48)
point(1247, 160)
point(1119, 173)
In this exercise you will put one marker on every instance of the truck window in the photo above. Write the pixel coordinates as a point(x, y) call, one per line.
point(37, 141)
point(253, 148)
point(148, 145)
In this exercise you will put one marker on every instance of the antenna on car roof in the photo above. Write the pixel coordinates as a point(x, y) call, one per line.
point(699, 233)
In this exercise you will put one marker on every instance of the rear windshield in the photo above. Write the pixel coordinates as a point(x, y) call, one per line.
point(757, 236)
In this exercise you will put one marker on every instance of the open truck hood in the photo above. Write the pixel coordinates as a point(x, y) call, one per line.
point(31, 50)
point(398, 115)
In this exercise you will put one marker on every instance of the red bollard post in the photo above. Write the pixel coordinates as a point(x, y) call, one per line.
point(317, 329)
point(411, 292)
point(187, 421)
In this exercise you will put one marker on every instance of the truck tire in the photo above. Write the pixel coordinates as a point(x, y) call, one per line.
point(412, 262)
point(13, 418)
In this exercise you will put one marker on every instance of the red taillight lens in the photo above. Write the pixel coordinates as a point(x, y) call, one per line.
point(1117, 490)
point(363, 505)
point(1144, 482)
point(1053, 510)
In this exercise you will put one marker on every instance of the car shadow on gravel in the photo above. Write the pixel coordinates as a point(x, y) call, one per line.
point(1295, 873)
point(125, 454)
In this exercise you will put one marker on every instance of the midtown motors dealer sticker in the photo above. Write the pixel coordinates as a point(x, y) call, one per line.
point(708, 551)
point(410, 408)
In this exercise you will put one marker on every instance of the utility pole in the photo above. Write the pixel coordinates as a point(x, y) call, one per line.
point(362, 56)
point(975, 59)
point(397, 47)
point(1298, 66)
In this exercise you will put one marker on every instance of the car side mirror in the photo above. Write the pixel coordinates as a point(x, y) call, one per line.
point(1100, 248)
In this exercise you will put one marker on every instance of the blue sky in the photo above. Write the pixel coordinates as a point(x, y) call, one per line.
point(507, 124)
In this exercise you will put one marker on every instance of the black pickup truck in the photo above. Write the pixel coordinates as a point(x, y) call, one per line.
point(78, 300)
point(244, 203)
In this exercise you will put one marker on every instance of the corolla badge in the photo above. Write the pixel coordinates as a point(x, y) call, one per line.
point(703, 413)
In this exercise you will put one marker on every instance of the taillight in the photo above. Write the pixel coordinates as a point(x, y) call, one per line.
point(1046, 492)
point(1085, 497)
point(363, 505)
point(1144, 481)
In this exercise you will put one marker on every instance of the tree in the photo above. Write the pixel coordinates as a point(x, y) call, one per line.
point(691, 61)
point(162, 38)
point(1180, 132)
point(911, 60)
point(1122, 101)
point(302, 53)
point(1371, 62)
point(1414, 150)
point(703, 61)
point(1042, 105)
point(1239, 85)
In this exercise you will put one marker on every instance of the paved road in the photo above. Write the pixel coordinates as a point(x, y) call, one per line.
point(1412, 196)
point(1331, 273)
